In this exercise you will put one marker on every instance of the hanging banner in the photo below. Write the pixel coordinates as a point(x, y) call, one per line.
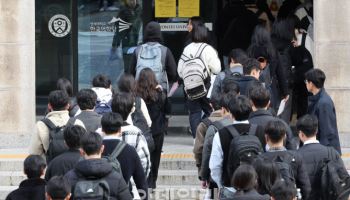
point(188, 8)
point(165, 8)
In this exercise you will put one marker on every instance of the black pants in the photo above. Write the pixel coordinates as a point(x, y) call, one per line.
point(155, 160)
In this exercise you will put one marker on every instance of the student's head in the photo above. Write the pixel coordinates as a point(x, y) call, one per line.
point(58, 188)
point(65, 85)
point(307, 127)
point(275, 132)
point(200, 34)
point(58, 100)
point(237, 56)
point(244, 178)
point(127, 83)
point(34, 166)
point(91, 145)
point(194, 22)
point(229, 85)
point(101, 81)
point(251, 67)
point(268, 173)
point(72, 136)
point(130, 3)
point(260, 97)
point(283, 190)
point(283, 29)
point(123, 103)
point(240, 108)
point(111, 123)
point(152, 33)
point(215, 101)
point(314, 78)
point(86, 99)
point(226, 99)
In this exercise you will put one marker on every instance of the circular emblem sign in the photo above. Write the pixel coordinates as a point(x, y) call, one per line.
point(59, 25)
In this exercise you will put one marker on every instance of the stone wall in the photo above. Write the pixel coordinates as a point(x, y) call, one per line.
point(17, 71)
point(332, 55)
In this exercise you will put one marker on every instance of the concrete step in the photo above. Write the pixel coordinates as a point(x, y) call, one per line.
point(165, 177)
point(5, 190)
point(176, 177)
point(11, 164)
point(177, 164)
point(171, 192)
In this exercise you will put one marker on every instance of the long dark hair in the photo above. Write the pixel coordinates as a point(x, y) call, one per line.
point(261, 44)
point(283, 29)
point(200, 34)
point(146, 86)
point(65, 85)
point(196, 21)
point(268, 174)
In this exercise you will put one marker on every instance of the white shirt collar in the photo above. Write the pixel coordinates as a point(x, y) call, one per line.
point(241, 122)
point(311, 142)
point(112, 137)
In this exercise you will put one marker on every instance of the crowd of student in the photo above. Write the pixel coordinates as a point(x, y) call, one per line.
point(101, 141)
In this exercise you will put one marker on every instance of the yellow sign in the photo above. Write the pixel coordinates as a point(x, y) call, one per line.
point(188, 8)
point(165, 8)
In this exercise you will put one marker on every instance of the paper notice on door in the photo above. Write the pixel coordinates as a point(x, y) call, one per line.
point(188, 8)
point(165, 8)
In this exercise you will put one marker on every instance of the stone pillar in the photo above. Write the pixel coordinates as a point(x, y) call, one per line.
point(17, 72)
point(332, 44)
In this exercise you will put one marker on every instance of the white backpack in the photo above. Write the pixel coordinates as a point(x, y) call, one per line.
point(195, 74)
point(152, 56)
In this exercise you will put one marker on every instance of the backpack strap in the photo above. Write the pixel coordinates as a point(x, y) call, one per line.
point(303, 39)
point(252, 129)
point(117, 150)
point(138, 104)
point(49, 123)
point(207, 121)
point(233, 131)
point(217, 124)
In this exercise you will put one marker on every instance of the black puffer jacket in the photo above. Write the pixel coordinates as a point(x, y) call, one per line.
point(313, 162)
point(100, 169)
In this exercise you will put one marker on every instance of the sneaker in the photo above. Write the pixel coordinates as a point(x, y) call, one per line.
point(112, 8)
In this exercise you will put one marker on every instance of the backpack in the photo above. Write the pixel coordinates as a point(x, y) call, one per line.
point(229, 73)
point(195, 74)
point(284, 165)
point(140, 122)
point(335, 181)
point(244, 148)
point(102, 108)
point(91, 189)
point(153, 56)
point(56, 140)
point(112, 158)
point(216, 124)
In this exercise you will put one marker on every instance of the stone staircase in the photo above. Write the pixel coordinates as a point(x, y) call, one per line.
point(177, 177)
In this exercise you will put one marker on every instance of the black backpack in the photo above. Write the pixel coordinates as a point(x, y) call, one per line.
point(284, 164)
point(112, 158)
point(140, 122)
point(97, 189)
point(56, 140)
point(244, 148)
point(335, 181)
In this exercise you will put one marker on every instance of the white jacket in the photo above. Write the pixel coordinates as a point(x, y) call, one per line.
point(209, 56)
point(103, 95)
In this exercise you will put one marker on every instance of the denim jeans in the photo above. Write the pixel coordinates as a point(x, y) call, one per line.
point(195, 109)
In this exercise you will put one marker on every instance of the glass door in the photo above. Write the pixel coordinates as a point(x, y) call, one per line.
point(108, 31)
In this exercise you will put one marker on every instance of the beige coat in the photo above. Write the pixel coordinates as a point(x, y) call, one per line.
point(39, 143)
